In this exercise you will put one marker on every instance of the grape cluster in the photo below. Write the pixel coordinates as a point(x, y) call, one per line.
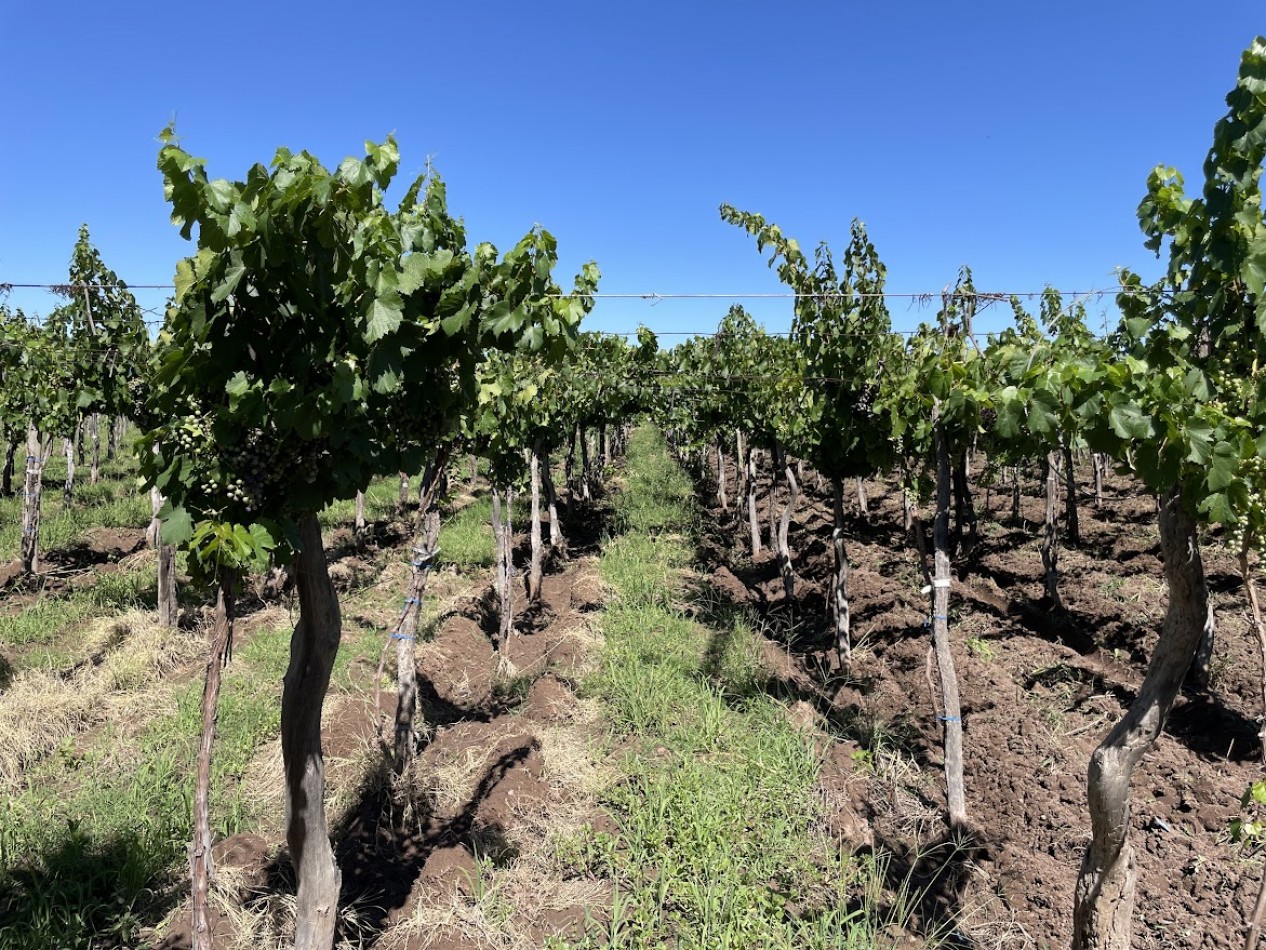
point(138, 395)
point(1246, 532)
point(192, 431)
point(865, 402)
point(254, 462)
point(988, 418)
point(1234, 384)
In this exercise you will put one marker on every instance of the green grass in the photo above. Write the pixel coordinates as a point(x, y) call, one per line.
point(50, 632)
point(717, 807)
point(466, 536)
point(382, 501)
point(93, 847)
point(61, 525)
point(114, 502)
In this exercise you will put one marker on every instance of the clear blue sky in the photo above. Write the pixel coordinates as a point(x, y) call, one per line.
point(1012, 137)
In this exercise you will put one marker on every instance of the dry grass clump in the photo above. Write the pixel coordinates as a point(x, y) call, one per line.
point(40, 709)
point(511, 905)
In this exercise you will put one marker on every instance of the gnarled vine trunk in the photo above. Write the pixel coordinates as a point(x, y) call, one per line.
point(839, 600)
point(6, 477)
point(965, 529)
point(556, 540)
point(569, 467)
point(1201, 672)
point(313, 647)
point(1050, 536)
point(502, 531)
point(775, 467)
point(752, 519)
point(784, 522)
point(722, 498)
point(95, 426)
point(359, 526)
point(1103, 910)
point(862, 508)
point(168, 605)
point(1072, 530)
point(68, 486)
point(586, 467)
point(536, 568)
point(426, 541)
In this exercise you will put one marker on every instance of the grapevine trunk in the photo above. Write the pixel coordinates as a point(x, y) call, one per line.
point(313, 647)
point(1104, 899)
point(840, 611)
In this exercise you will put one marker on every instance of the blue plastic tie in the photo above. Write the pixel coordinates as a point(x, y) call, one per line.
point(950, 718)
point(402, 636)
point(412, 600)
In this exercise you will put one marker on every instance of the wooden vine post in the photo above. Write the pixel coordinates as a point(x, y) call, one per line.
point(951, 716)
point(32, 485)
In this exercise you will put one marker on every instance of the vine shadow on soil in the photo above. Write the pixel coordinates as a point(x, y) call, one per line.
point(390, 831)
point(385, 839)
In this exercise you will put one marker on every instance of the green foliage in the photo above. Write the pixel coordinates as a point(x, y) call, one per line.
point(1184, 402)
point(318, 339)
point(605, 381)
point(741, 378)
point(104, 332)
point(1044, 381)
point(37, 381)
point(1248, 828)
point(845, 345)
point(530, 398)
point(938, 378)
point(238, 548)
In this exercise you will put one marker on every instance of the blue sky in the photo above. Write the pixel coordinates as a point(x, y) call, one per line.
point(1012, 137)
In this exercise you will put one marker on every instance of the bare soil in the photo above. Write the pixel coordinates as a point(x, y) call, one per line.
point(1041, 688)
point(478, 787)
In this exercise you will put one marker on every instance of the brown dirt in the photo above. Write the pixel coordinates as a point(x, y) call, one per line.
point(1040, 691)
point(10, 572)
point(114, 543)
point(548, 700)
point(480, 786)
point(483, 768)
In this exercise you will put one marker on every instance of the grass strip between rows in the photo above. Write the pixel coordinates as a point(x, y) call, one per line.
point(720, 842)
